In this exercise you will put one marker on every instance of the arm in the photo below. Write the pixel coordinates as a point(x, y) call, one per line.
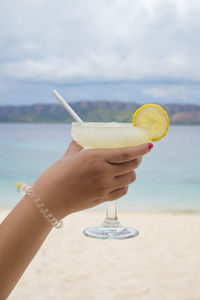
point(81, 179)
point(21, 235)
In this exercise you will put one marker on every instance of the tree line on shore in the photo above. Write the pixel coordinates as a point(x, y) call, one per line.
point(102, 111)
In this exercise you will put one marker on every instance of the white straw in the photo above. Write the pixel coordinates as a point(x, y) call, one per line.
point(67, 107)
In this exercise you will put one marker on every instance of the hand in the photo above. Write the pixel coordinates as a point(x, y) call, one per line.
point(82, 179)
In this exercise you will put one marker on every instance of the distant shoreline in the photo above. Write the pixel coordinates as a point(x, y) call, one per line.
point(103, 111)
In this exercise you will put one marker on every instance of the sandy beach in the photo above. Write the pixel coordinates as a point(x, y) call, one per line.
point(163, 262)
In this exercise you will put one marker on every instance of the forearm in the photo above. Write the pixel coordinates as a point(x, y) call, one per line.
point(21, 235)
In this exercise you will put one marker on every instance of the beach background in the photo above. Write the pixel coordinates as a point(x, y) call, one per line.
point(163, 204)
point(106, 58)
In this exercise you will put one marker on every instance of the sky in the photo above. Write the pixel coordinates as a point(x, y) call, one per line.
point(127, 50)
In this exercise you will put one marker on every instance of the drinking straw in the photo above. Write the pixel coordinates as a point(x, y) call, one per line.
point(67, 107)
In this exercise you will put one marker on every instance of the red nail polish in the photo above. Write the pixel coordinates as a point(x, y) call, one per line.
point(150, 145)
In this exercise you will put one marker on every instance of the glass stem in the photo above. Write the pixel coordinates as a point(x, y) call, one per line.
point(111, 213)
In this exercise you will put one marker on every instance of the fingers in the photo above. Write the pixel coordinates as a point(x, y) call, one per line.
point(73, 149)
point(124, 180)
point(126, 167)
point(118, 193)
point(126, 154)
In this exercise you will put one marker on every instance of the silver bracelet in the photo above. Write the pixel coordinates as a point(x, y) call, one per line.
point(27, 189)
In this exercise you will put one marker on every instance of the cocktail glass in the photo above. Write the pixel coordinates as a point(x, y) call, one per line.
point(109, 135)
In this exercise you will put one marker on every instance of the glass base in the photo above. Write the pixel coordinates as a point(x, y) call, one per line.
point(110, 231)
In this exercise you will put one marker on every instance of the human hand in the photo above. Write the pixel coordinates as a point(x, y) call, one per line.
point(83, 179)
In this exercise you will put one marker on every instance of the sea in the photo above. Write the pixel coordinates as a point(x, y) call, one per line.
point(167, 180)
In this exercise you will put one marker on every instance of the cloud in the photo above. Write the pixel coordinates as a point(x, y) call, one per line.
point(155, 92)
point(74, 41)
point(100, 40)
point(173, 92)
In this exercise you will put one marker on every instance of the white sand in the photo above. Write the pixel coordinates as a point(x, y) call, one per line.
point(162, 263)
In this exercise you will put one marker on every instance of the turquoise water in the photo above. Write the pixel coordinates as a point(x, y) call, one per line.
point(168, 179)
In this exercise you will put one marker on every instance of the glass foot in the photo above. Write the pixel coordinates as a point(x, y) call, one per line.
point(110, 231)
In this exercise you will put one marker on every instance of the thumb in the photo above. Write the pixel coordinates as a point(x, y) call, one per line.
point(73, 149)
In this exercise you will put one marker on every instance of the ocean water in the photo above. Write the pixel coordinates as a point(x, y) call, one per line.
point(168, 179)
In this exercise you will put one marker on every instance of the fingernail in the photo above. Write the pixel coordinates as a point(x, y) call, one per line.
point(150, 145)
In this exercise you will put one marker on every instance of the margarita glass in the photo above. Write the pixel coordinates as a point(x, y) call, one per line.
point(106, 136)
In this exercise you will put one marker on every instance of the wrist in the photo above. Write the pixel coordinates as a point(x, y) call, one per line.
point(46, 192)
point(33, 214)
point(41, 206)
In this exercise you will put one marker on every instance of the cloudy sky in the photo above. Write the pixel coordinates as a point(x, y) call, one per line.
point(129, 50)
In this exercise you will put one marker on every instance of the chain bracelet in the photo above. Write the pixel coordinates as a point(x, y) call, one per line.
point(28, 190)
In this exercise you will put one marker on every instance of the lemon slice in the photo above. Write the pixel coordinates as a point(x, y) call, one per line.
point(155, 118)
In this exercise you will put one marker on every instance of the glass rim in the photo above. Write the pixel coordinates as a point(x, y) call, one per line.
point(103, 124)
